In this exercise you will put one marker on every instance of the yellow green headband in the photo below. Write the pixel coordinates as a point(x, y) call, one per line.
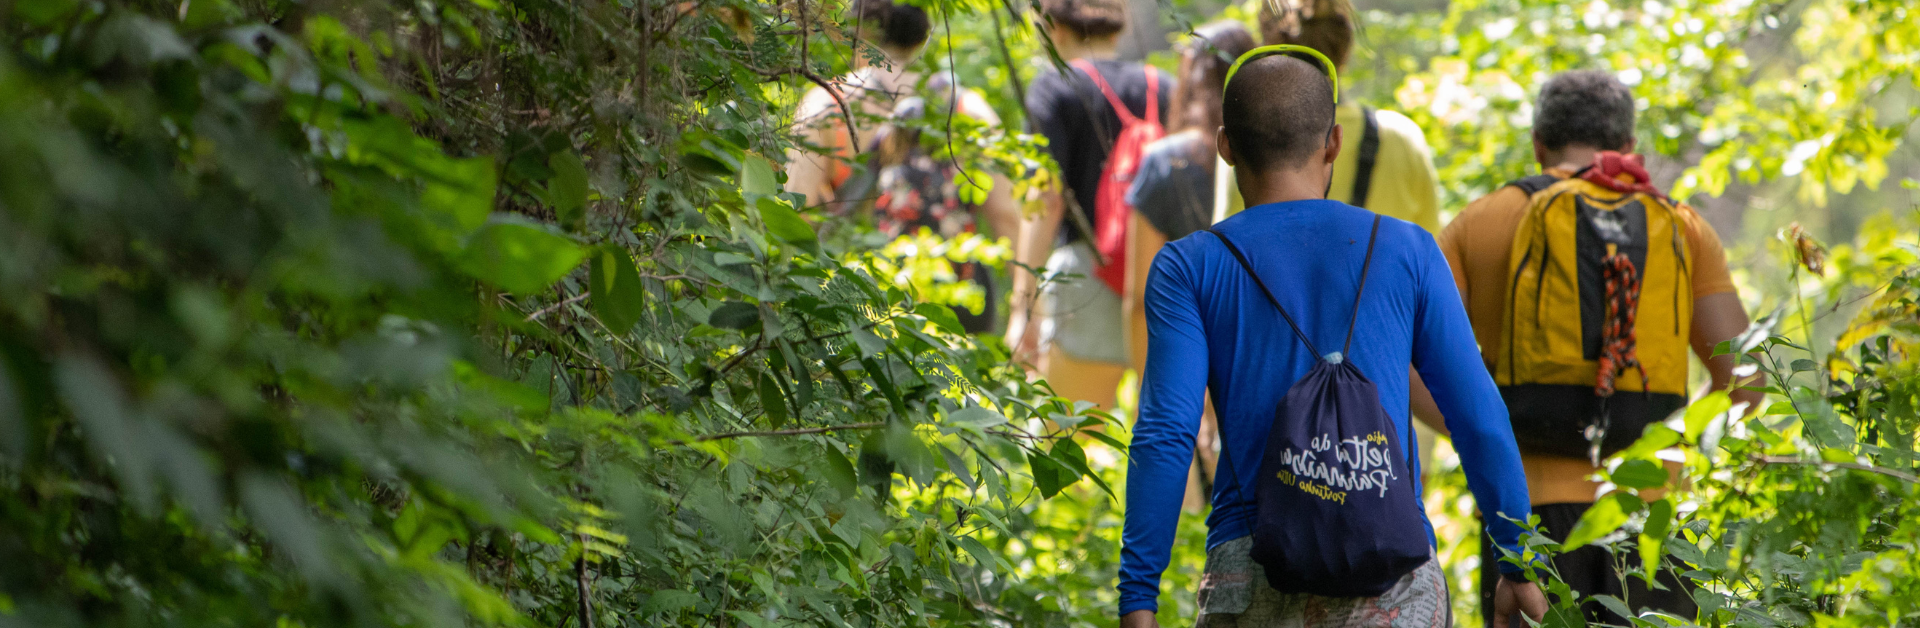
point(1265, 51)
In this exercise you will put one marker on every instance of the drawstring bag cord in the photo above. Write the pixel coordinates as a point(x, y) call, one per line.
point(1617, 340)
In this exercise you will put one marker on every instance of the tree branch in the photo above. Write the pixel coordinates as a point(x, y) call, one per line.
point(548, 309)
point(580, 580)
point(1901, 475)
point(792, 432)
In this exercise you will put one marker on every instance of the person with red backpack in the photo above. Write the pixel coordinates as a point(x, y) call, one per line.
point(1098, 116)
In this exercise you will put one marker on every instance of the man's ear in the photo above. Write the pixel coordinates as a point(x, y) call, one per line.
point(1539, 150)
point(1220, 143)
point(1333, 144)
point(1628, 149)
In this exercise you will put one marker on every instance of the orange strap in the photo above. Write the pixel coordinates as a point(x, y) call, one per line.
point(1617, 337)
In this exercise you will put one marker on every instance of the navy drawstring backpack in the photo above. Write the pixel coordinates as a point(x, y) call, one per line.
point(1337, 512)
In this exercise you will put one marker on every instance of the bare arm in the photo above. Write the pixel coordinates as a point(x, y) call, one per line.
point(1031, 248)
point(1143, 242)
point(1424, 407)
point(1002, 214)
point(1718, 318)
point(808, 172)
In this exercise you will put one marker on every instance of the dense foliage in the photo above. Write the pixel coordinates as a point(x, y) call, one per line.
point(489, 312)
point(371, 314)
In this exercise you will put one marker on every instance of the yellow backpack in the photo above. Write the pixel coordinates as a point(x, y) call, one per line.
point(1596, 277)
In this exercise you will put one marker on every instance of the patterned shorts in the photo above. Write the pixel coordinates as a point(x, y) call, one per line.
point(1234, 594)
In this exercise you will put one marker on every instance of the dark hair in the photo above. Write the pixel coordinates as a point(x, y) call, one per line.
point(1323, 25)
point(1277, 111)
point(900, 25)
point(1588, 107)
point(1203, 67)
point(1090, 18)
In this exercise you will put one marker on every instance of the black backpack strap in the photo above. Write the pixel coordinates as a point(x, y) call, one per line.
point(1369, 155)
point(1263, 289)
point(1534, 184)
point(1364, 265)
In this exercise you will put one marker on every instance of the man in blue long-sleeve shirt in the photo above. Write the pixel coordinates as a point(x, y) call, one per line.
point(1210, 329)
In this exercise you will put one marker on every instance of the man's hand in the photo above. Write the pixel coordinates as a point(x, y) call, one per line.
point(1510, 596)
point(1139, 619)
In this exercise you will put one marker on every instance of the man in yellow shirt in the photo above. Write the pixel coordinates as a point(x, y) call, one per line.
point(1388, 146)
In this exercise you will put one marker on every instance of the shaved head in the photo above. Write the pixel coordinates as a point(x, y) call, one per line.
point(1277, 112)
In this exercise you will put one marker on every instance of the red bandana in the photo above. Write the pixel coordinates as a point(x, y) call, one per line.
point(1621, 173)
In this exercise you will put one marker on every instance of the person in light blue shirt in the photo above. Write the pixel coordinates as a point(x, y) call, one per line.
point(1211, 331)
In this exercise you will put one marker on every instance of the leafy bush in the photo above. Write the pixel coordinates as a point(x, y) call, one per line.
point(470, 313)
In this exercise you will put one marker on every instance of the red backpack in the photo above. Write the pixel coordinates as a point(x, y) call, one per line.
point(1111, 211)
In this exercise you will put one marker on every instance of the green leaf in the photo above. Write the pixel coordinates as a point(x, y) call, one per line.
point(1602, 519)
point(520, 258)
point(975, 417)
point(942, 316)
point(802, 378)
point(981, 555)
point(619, 299)
point(1704, 411)
point(1109, 440)
point(670, 600)
point(458, 196)
point(756, 176)
point(567, 190)
point(784, 223)
point(1614, 604)
point(1049, 476)
point(44, 12)
point(1640, 473)
point(771, 401)
point(958, 466)
point(870, 345)
point(1656, 437)
point(1804, 364)
point(1684, 550)
point(703, 163)
point(1068, 452)
point(840, 473)
point(735, 315)
point(751, 620)
point(1653, 537)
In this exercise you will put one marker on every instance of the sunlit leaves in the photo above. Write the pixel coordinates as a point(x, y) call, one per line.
point(1653, 536)
point(783, 222)
point(756, 176)
point(1639, 474)
point(1602, 519)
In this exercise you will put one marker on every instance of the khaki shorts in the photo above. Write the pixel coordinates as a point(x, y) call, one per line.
point(1234, 594)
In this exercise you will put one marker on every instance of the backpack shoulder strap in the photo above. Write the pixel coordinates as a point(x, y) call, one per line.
point(1369, 155)
point(1119, 106)
point(1153, 94)
point(1364, 265)
point(1534, 184)
point(1263, 289)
